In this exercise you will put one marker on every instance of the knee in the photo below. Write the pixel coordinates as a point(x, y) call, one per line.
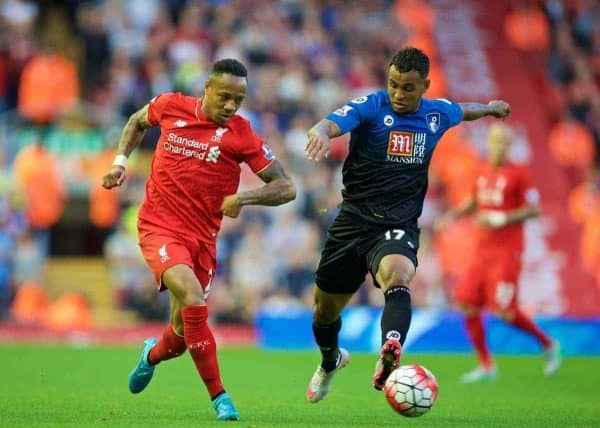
point(192, 296)
point(506, 315)
point(393, 276)
point(324, 313)
point(467, 309)
point(185, 287)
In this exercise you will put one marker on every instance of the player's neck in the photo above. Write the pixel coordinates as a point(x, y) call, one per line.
point(200, 112)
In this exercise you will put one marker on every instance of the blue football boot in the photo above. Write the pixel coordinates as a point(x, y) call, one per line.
point(142, 373)
point(225, 409)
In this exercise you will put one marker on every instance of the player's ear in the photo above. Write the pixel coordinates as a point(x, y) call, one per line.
point(207, 84)
point(426, 83)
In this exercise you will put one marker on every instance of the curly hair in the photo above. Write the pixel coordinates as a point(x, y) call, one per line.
point(409, 58)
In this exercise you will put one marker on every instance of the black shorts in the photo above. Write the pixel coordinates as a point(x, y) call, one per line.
point(353, 249)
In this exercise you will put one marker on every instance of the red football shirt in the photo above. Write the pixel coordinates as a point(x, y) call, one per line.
point(195, 165)
point(506, 188)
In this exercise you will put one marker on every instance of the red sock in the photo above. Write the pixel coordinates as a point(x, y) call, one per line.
point(525, 323)
point(169, 346)
point(203, 349)
point(477, 335)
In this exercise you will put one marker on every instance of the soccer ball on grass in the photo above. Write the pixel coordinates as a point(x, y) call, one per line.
point(411, 390)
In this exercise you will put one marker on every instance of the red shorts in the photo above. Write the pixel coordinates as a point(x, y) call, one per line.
point(163, 249)
point(491, 281)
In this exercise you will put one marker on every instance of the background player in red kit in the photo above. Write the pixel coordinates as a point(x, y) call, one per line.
point(193, 181)
point(504, 197)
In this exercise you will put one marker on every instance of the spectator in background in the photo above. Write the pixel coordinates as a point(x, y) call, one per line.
point(37, 173)
point(49, 85)
point(527, 29)
point(571, 144)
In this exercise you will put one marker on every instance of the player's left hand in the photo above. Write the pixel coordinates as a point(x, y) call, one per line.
point(492, 219)
point(318, 145)
point(499, 109)
point(231, 206)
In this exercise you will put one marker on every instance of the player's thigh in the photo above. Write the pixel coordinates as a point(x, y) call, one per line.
point(328, 306)
point(502, 288)
point(393, 259)
point(205, 266)
point(170, 259)
point(163, 250)
point(469, 291)
point(183, 284)
point(342, 269)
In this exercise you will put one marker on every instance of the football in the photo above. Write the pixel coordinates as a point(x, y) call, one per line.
point(411, 390)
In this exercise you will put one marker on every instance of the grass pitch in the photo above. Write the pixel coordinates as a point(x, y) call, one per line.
point(46, 386)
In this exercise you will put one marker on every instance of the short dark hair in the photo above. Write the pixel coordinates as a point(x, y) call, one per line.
point(229, 66)
point(409, 58)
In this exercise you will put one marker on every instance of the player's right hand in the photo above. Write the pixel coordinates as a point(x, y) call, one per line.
point(115, 177)
point(500, 109)
point(443, 221)
point(318, 145)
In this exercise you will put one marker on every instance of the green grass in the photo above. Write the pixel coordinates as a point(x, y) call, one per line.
point(60, 386)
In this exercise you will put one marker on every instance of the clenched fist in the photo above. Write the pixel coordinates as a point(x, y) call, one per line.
point(115, 177)
point(231, 206)
point(499, 108)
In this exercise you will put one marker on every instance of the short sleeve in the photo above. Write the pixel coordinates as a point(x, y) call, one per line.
point(355, 112)
point(531, 195)
point(256, 153)
point(156, 106)
point(452, 109)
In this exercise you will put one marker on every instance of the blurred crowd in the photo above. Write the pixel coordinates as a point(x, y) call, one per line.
point(565, 35)
point(70, 74)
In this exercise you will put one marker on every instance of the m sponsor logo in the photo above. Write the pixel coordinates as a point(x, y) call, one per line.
point(406, 147)
point(180, 123)
point(401, 143)
point(388, 120)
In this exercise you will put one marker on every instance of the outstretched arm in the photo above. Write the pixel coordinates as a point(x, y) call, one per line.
point(279, 189)
point(495, 108)
point(132, 135)
point(497, 219)
point(465, 208)
point(319, 136)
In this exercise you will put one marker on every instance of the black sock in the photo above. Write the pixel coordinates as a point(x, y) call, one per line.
point(395, 320)
point(326, 337)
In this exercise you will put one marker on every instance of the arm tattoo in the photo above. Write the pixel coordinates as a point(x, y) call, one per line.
point(329, 128)
point(473, 111)
point(278, 189)
point(134, 131)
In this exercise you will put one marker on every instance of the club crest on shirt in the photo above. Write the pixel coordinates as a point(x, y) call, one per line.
point(433, 121)
point(219, 134)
